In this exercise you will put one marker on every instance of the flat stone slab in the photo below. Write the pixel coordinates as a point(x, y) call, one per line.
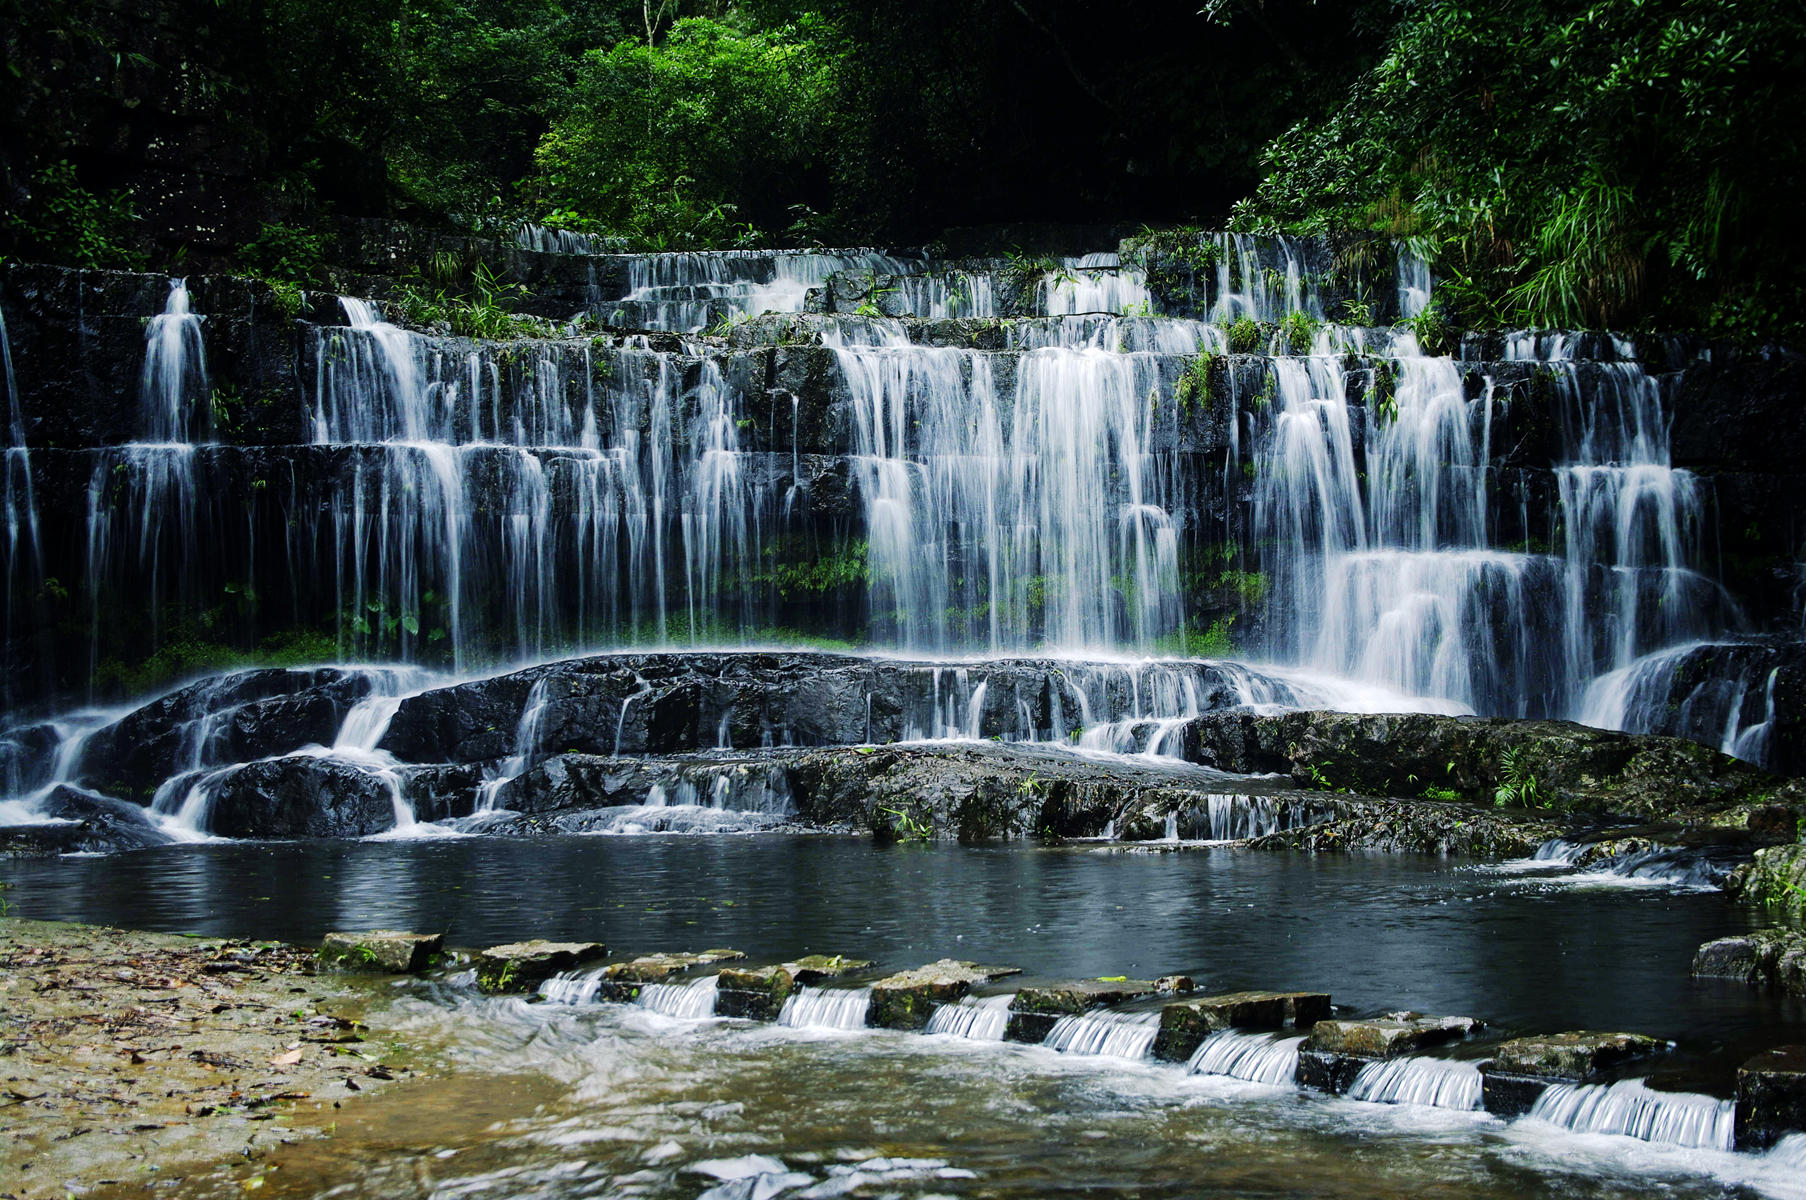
point(1186, 1023)
point(1771, 1097)
point(523, 966)
point(1579, 1056)
point(389, 951)
point(754, 993)
point(906, 1000)
point(812, 969)
point(1079, 995)
point(1388, 1036)
point(656, 968)
point(1766, 957)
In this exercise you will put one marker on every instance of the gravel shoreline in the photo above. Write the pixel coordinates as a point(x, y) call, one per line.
point(138, 1059)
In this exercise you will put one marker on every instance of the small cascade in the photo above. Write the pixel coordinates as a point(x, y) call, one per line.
point(560, 241)
point(24, 550)
point(1671, 865)
point(172, 391)
point(1117, 1035)
point(1252, 1057)
point(1633, 1110)
point(1433, 1082)
point(1078, 289)
point(690, 1001)
point(826, 1008)
point(974, 1018)
point(689, 292)
point(573, 987)
point(969, 519)
point(526, 745)
point(1718, 693)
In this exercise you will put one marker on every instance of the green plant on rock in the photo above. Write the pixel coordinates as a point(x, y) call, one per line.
point(1243, 335)
point(1518, 785)
point(1193, 388)
point(906, 827)
point(1298, 331)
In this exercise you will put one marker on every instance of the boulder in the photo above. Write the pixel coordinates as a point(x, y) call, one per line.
point(908, 999)
point(299, 796)
point(1767, 957)
point(523, 966)
point(103, 825)
point(384, 950)
point(1771, 1097)
point(1185, 1025)
point(1522, 1068)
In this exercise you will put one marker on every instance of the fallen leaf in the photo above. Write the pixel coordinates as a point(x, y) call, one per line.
point(286, 1060)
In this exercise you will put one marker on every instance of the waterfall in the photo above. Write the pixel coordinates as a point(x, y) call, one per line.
point(1118, 1035)
point(826, 1008)
point(1434, 1082)
point(690, 1001)
point(1633, 1110)
point(973, 1018)
point(574, 987)
point(172, 391)
point(1253, 1057)
point(526, 745)
point(24, 547)
point(1056, 529)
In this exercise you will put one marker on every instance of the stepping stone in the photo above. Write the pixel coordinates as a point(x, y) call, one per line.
point(1185, 1024)
point(906, 1000)
point(388, 951)
point(758, 993)
point(1035, 1010)
point(1337, 1050)
point(1771, 1097)
point(523, 966)
point(1522, 1068)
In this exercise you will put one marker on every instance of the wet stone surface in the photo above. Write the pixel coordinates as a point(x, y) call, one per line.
point(523, 966)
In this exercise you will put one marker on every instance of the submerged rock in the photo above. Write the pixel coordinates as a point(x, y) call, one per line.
point(523, 966)
point(1769, 957)
point(1771, 1097)
point(1185, 1025)
point(908, 999)
point(385, 950)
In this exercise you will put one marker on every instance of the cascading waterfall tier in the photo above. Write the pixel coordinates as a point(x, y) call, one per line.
point(1085, 478)
point(1634, 1110)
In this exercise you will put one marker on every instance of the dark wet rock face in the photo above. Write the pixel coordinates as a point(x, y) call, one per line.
point(1575, 768)
point(1771, 1097)
point(1767, 957)
point(302, 796)
point(94, 825)
point(230, 718)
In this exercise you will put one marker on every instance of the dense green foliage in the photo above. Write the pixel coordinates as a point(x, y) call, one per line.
point(664, 144)
point(1574, 162)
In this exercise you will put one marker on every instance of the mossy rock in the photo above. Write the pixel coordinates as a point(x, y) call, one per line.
point(387, 951)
